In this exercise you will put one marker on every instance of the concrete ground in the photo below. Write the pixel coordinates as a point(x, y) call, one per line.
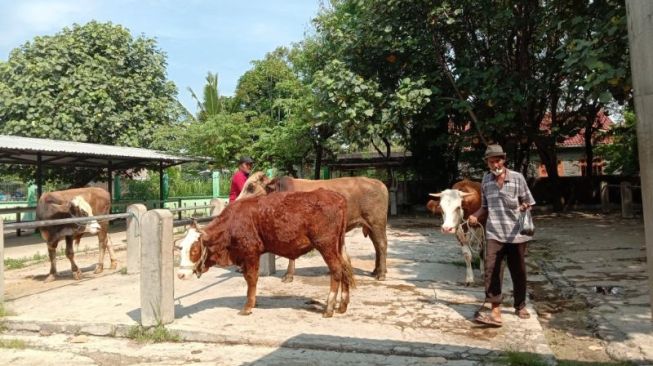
point(419, 315)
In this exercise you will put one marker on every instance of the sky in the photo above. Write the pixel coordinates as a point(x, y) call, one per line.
point(198, 36)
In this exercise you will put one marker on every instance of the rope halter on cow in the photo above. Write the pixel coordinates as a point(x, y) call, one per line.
point(474, 237)
point(200, 266)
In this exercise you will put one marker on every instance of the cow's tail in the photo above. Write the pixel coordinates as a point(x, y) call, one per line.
point(347, 270)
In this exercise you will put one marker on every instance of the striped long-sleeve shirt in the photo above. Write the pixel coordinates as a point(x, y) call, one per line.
point(503, 206)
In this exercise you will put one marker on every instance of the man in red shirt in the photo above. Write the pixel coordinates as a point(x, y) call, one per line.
point(240, 177)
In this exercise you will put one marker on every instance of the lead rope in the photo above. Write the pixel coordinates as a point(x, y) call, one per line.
point(475, 238)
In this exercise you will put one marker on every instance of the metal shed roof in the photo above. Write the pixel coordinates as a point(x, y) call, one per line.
point(28, 150)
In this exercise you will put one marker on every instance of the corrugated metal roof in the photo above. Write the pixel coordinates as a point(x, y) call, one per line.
point(25, 150)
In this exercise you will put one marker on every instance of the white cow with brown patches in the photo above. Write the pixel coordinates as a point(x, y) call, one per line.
point(78, 202)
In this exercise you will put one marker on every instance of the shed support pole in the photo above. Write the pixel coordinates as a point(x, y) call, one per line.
point(161, 184)
point(39, 176)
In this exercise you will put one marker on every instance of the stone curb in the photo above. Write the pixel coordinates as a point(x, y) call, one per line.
point(314, 342)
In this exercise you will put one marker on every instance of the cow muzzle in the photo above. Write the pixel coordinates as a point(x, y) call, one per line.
point(92, 227)
point(448, 230)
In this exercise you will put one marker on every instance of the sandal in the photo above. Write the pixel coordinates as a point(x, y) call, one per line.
point(522, 313)
point(487, 319)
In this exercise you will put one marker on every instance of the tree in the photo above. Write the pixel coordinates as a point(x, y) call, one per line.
point(91, 83)
point(622, 154)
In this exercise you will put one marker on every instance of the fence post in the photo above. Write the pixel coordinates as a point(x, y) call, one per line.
point(605, 197)
point(157, 269)
point(2, 261)
point(18, 220)
point(134, 228)
point(393, 201)
point(627, 200)
point(215, 180)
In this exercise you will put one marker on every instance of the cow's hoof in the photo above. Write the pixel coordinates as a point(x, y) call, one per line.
point(99, 268)
point(50, 278)
point(328, 314)
point(245, 312)
point(467, 283)
point(342, 309)
point(77, 275)
point(286, 279)
point(114, 264)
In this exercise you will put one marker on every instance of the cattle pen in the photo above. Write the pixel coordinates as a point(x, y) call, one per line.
point(141, 226)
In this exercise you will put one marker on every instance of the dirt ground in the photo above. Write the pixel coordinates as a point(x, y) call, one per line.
point(561, 288)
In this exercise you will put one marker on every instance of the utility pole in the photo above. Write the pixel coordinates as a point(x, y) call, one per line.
point(640, 39)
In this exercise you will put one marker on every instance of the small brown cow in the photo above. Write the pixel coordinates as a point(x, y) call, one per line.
point(287, 224)
point(367, 207)
point(79, 202)
point(455, 205)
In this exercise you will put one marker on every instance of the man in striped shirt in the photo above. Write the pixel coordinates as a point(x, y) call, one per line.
point(504, 194)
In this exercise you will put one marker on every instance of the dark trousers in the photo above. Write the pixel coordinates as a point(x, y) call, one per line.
point(515, 256)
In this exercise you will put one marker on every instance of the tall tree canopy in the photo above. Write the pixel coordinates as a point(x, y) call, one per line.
point(90, 83)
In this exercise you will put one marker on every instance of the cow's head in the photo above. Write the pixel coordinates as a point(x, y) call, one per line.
point(451, 206)
point(80, 208)
point(192, 253)
point(258, 184)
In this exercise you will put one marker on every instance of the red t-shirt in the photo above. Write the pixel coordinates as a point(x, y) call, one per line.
point(237, 184)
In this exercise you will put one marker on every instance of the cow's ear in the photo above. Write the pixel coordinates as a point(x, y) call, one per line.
point(433, 206)
point(194, 224)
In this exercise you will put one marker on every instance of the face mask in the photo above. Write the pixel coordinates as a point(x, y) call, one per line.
point(497, 172)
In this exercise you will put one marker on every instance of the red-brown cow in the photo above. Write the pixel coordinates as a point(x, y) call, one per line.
point(455, 204)
point(288, 224)
point(78, 202)
point(367, 207)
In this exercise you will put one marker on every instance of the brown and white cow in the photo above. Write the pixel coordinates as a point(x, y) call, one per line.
point(288, 224)
point(367, 207)
point(78, 202)
point(455, 205)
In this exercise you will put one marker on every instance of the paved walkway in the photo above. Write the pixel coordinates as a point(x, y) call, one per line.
point(418, 316)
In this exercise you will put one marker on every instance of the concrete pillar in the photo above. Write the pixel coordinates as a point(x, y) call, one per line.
point(218, 206)
point(605, 197)
point(2, 261)
point(640, 34)
point(627, 200)
point(267, 266)
point(134, 221)
point(393, 201)
point(157, 268)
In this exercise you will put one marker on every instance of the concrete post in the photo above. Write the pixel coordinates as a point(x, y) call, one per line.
point(393, 201)
point(157, 268)
point(134, 237)
point(640, 34)
point(2, 261)
point(218, 206)
point(267, 266)
point(605, 197)
point(626, 200)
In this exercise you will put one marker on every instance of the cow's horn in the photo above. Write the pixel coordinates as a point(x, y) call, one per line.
point(435, 194)
point(465, 194)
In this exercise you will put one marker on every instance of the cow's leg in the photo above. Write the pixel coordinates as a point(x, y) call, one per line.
point(347, 276)
point(467, 255)
point(333, 261)
point(290, 272)
point(380, 241)
point(70, 253)
point(250, 271)
point(104, 242)
point(52, 253)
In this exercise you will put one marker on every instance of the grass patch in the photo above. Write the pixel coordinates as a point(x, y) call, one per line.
point(13, 343)
point(11, 263)
point(515, 358)
point(156, 334)
point(123, 270)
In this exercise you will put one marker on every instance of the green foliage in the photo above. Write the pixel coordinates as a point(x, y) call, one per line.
point(515, 358)
point(622, 155)
point(12, 263)
point(90, 83)
point(156, 334)
point(13, 343)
